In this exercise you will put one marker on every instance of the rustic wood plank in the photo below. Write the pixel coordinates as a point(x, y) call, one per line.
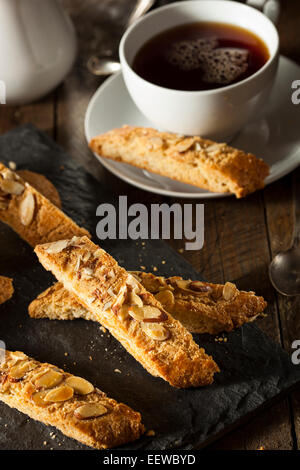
point(40, 114)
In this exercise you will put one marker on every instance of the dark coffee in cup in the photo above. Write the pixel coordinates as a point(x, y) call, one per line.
point(200, 56)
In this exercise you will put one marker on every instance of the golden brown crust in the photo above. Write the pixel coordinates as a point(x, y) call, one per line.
point(192, 160)
point(160, 343)
point(42, 185)
point(200, 311)
point(30, 214)
point(6, 289)
point(22, 378)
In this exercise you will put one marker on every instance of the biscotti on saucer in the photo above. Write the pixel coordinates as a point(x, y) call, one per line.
point(30, 214)
point(201, 307)
point(71, 404)
point(193, 160)
point(131, 314)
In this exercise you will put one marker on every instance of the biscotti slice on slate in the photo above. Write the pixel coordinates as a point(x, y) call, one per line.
point(193, 160)
point(201, 307)
point(133, 315)
point(30, 214)
point(71, 404)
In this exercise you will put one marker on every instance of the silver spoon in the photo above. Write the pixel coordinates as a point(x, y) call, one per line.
point(106, 66)
point(284, 270)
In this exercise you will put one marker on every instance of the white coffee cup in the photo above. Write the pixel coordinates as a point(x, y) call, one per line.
point(218, 113)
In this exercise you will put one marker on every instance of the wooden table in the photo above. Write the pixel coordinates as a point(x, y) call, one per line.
point(241, 236)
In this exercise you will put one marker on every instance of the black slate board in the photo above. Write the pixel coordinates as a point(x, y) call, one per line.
point(254, 369)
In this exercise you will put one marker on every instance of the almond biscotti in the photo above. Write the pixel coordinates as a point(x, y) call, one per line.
point(30, 214)
point(193, 160)
point(6, 289)
point(131, 314)
point(201, 307)
point(71, 404)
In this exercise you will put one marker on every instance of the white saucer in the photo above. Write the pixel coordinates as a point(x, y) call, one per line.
point(275, 136)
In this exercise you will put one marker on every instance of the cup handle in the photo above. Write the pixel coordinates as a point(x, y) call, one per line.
point(271, 8)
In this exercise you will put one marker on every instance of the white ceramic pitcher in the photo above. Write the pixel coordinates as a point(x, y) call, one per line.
point(37, 48)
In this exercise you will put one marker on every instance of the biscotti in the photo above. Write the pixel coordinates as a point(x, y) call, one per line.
point(71, 404)
point(6, 289)
point(201, 307)
point(193, 160)
point(30, 214)
point(131, 314)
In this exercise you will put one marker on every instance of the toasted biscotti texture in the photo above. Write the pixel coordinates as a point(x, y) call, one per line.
point(30, 214)
point(201, 307)
point(71, 404)
point(193, 160)
point(57, 303)
point(42, 185)
point(6, 289)
point(133, 315)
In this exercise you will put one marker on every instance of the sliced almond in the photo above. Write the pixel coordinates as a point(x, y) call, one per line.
point(185, 145)
point(50, 379)
point(18, 371)
point(26, 209)
point(154, 314)
point(166, 298)
point(213, 148)
point(90, 410)
point(134, 299)
point(147, 313)
point(193, 287)
point(11, 187)
point(182, 284)
point(229, 291)
point(136, 312)
point(62, 393)
point(123, 312)
point(199, 286)
point(8, 174)
point(57, 247)
point(79, 385)
point(38, 398)
point(17, 356)
point(155, 331)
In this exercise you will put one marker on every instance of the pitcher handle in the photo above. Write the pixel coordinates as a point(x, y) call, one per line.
point(271, 8)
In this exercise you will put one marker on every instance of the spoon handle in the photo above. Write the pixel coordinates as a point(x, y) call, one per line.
point(139, 10)
point(296, 238)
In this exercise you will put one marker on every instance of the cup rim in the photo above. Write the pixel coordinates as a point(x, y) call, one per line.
point(226, 88)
